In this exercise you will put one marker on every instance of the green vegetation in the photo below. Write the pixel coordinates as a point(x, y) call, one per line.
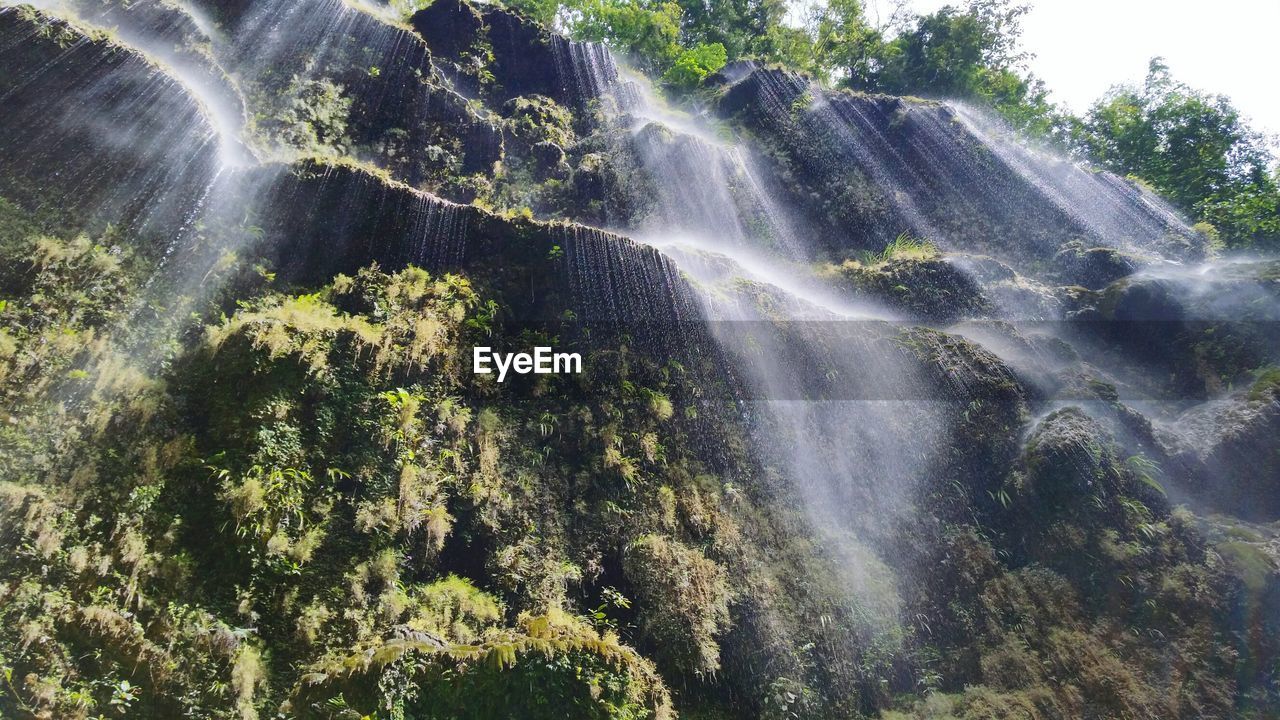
point(257, 548)
point(657, 32)
point(313, 118)
point(310, 508)
point(903, 247)
point(692, 66)
point(656, 35)
point(910, 274)
point(283, 494)
point(1194, 148)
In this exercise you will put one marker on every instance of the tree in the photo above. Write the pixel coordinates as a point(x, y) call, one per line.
point(1193, 147)
point(845, 46)
point(694, 65)
point(648, 31)
point(968, 52)
point(741, 26)
point(955, 52)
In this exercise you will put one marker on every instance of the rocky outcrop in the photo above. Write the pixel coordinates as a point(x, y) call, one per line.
point(170, 33)
point(1230, 448)
point(994, 515)
point(320, 219)
point(1203, 330)
point(452, 28)
point(1092, 267)
point(926, 288)
point(502, 55)
point(96, 131)
point(874, 166)
point(987, 403)
point(1067, 459)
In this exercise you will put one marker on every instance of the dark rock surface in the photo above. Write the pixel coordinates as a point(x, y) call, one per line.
point(1232, 447)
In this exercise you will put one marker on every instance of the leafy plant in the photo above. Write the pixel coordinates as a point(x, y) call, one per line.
point(903, 247)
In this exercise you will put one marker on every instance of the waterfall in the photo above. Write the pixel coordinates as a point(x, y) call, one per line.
point(624, 286)
point(1114, 211)
point(586, 70)
point(832, 401)
point(158, 135)
point(99, 130)
point(144, 133)
point(170, 34)
point(948, 172)
point(855, 407)
point(896, 295)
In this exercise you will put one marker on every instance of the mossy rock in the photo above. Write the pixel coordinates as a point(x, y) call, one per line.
point(926, 288)
point(550, 666)
point(1011, 294)
point(1231, 445)
point(1093, 267)
point(537, 118)
point(1193, 335)
point(1068, 459)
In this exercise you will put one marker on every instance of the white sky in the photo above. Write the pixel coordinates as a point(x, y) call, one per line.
point(1083, 47)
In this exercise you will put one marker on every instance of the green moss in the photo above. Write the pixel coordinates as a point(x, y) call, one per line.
point(687, 599)
point(536, 118)
point(911, 276)
point(1266, 384)
point(1256, 569)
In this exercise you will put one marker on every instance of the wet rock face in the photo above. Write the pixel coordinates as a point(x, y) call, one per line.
point(1010, 294)
point(876, 166)
point(321, 219)
point(871, 167)
point(1232, 451)
point(520, 57)
point(94, 128)
point(524, 57)
point(1066, 459)
point(450, 27)
point(989, 401)
point(1143, 300)
point(1092, 267)
point(1202, 330)
point(227, 13)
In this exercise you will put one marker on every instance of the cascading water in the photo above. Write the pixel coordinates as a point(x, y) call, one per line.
point(172, 36)
point(833, 399)
point(832, 394)
point(946, 172)
point(160, 128)
point(148, 133)
point(905, 302)
point(827, 390)
point(99, 130)
point(1112, 210)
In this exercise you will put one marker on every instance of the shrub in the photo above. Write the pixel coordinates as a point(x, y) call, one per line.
point(693, 65)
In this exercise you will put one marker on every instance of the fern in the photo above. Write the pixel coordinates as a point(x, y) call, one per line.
point(1145, 470)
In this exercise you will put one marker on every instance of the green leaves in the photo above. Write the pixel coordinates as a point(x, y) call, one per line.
point(124, 694)
point(1192, 146)
point(693, 65)
point(649, 32)
point(1145, 470)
